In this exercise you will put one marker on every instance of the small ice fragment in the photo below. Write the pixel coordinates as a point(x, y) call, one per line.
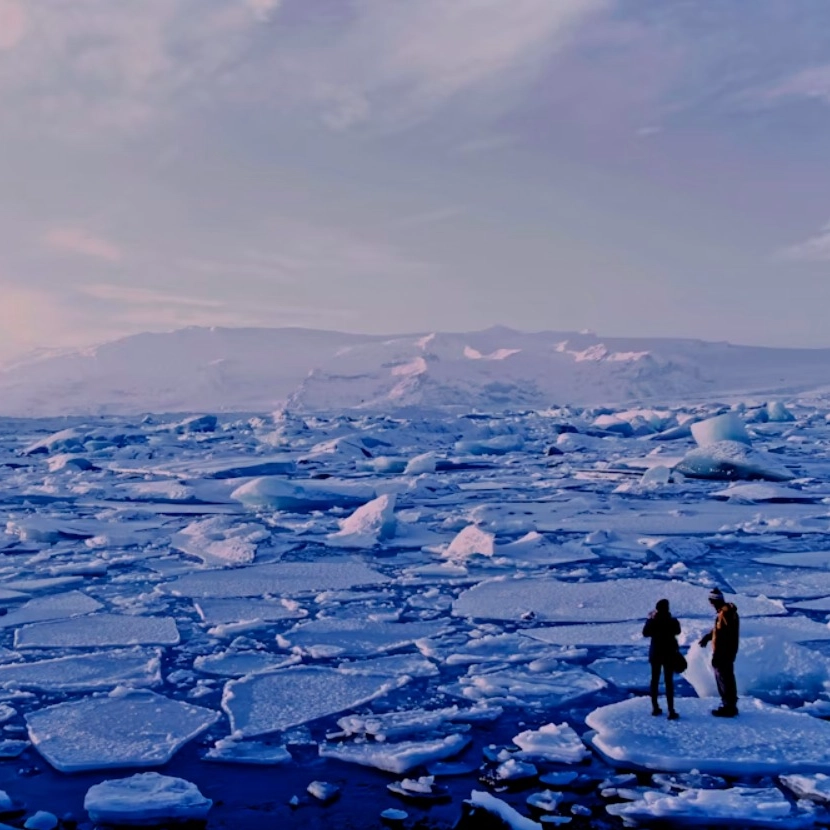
point(41, 820)
point(323, 791)
point(145, 799)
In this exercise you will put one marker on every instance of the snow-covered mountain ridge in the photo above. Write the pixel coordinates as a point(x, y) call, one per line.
point(495, 369)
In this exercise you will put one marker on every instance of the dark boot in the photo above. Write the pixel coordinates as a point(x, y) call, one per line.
point(673, 715)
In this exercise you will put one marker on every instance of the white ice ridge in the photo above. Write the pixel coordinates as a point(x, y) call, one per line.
point(278, 578)
point(469, 542)
point(220, 541)
point(762, 740)
point(509, 598)
point(396, 757)
point(371, 523)
point(124, 729)
point(272, 702)
point(98, 630)
point(736, 807)
point(727, 460)
point(726, 427)
point(354, 637)
point(99, 670)
point(146, 799)
point(295, 496)
point(509, 816)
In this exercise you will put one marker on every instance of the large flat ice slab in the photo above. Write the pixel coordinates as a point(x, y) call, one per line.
point(81, 672)
point(762, 740)
point(146, 799)
point(53, 607)
point(99, 630)
point(125, 729)
point(354, 638)
point(278, 578)
point(397, 757)
point(550, 599)
point(265, 703)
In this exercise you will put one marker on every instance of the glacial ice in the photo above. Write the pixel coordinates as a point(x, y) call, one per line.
point(396, 757)
point(552, 742)
point(762, 740)
point(549, 600)
point(145, 799)
point(293, 496)
point(737, 806)
point(726, 427)
point(52, 607)
point(278, 579)
point(82, 672)
point(97, 631)
point(369, 524)
point(264, 703)
point(124, 729)
point(354, 637)
point(730, 460)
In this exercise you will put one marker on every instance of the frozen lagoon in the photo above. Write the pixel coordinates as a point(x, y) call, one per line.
point(488, 591)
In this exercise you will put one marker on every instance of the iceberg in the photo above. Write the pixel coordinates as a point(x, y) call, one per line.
point(292, 496)
point(726, 427)
point(372, 523)
point(731, 460)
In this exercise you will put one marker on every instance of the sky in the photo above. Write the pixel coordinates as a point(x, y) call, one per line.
point(652, 168)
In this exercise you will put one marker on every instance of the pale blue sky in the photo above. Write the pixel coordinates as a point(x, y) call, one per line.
point(658, 167)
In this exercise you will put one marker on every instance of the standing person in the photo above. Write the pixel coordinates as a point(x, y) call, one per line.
point(724, 637)
point(663, 629)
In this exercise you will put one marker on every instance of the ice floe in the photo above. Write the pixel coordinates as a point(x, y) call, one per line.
point(264, 703)
point(146, 799)
point(397, 757)
point(293, 496)
point(124, 729)
point(762, 740)
point(552, 742)
point(98, 630)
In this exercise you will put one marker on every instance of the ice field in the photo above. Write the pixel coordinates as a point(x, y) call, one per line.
point(361, 620)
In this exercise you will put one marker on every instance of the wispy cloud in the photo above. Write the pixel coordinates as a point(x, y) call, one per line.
point(814, 249)
point(812, 83)
point(12, 23)
point(130, 295)
point(74, 240)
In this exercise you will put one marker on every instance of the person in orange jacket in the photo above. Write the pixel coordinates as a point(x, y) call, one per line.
point(724, 637)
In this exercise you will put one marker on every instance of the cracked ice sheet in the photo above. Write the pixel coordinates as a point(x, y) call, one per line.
point(278, 578)
point(762, 740)
point(793, 629)
point(550, 599)
point(519, 687)
point(265, 703)
point(232, 610)
point(396, 757)
point(125, 729)
point(355, 637)
point(98, 630)
point(102, 670)
point(737, 806)
point(53, 607)
point(783, 583)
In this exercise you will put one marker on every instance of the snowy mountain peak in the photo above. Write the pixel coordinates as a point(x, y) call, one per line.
point(226, 369)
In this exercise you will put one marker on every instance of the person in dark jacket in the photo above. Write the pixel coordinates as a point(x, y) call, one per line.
point(724, 637)
point(663, 629)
